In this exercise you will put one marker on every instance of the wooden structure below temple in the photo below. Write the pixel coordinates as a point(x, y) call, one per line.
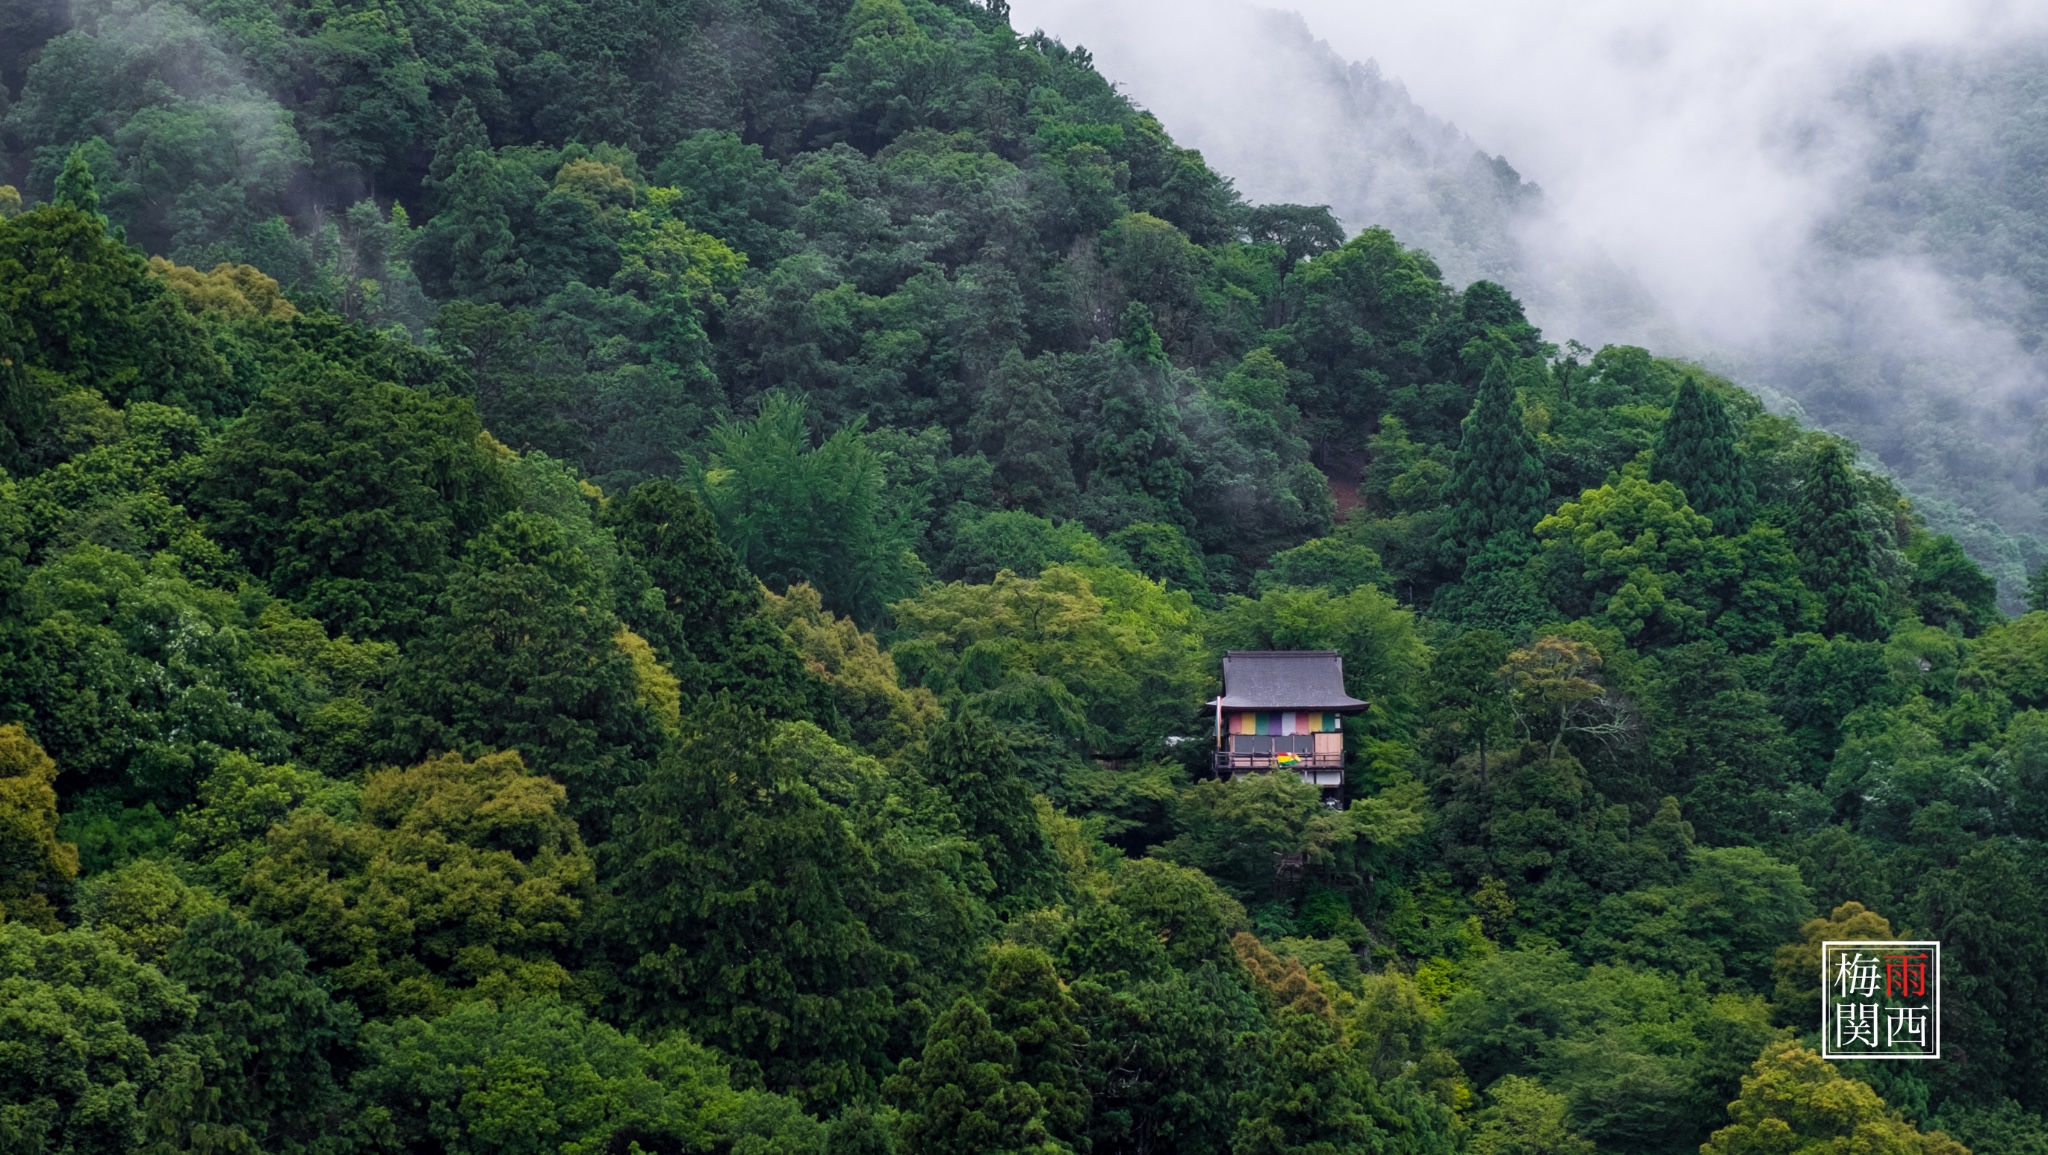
point(1283, 709)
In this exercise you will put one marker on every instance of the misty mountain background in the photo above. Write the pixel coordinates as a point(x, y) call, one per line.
point(1910, 316)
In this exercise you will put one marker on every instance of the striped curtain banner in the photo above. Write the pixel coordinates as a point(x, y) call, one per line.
point(1280, 722)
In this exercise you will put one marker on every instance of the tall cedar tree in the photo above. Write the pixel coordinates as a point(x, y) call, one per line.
point(740, 911)
point(971, 760)
point(1002, 1079)
point(75, 187)
point(1697, 453)
point(1834, 550)
point(2037, 589)
point(701, 608)
point(1498, 488)
point(522, 657)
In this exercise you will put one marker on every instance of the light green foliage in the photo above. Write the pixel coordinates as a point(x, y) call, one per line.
point(1796, 1103)
point(480, 857)
point(1521, 1118)
point(1384, 654)
point(1331, 563)
point(86, 1033)
point(1019, 542)
point(1796, 965)
point(655, 688)
point(2012, 659)
point(143, 679)
point(541, 1077)
point(369, 493)
point(1635, 557)
point(1103, 655)
point(798, 513)
point(143, 907)
point(32, 862)
point(241, 800)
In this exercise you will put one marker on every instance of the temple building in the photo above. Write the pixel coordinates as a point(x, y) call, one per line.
point(1283, 709)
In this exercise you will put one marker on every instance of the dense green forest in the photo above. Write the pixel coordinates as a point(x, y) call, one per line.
point(587, 576)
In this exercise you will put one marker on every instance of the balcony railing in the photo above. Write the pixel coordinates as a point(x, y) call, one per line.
point(1315, 769)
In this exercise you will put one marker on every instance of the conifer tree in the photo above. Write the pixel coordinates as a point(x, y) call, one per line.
point(1697, 453)
point(700, 607)
point(1834, 550)
point(75, 187)
point(971, 760)
point(1498, 488)
point(1001, 1079)
point(2037, 589)
point(1027, 435)
point(482, 252)
point(523, 656)
point(465, 134)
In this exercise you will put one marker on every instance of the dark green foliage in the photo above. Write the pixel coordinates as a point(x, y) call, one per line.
point(1496, 593)
point(1697, 453)
point(797, 513)
point(1834, 549)
point(1720, 744)
point(1989, 906)
point(725, 843)
point(892, 293)
point(1166, 1056)
point(1358, 314)
point(684, 591)
point(353, 496)
point(1027, 436)
point(80, 312)
point(1497, 489)
point(523, 656)
point(1949, 589)
point(1162, 553)
point(732, 191)
point(270, 1039)
point(2037, 589)
point(970, 760)
point(1001, 1069)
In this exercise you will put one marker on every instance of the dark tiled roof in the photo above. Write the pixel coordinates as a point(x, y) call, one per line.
point(1284, 680)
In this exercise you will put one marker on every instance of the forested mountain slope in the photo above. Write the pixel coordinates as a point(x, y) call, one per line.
point(1896, 301)
point(588, 576)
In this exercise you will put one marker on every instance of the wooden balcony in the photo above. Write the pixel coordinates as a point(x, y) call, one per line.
point(1324, 769)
